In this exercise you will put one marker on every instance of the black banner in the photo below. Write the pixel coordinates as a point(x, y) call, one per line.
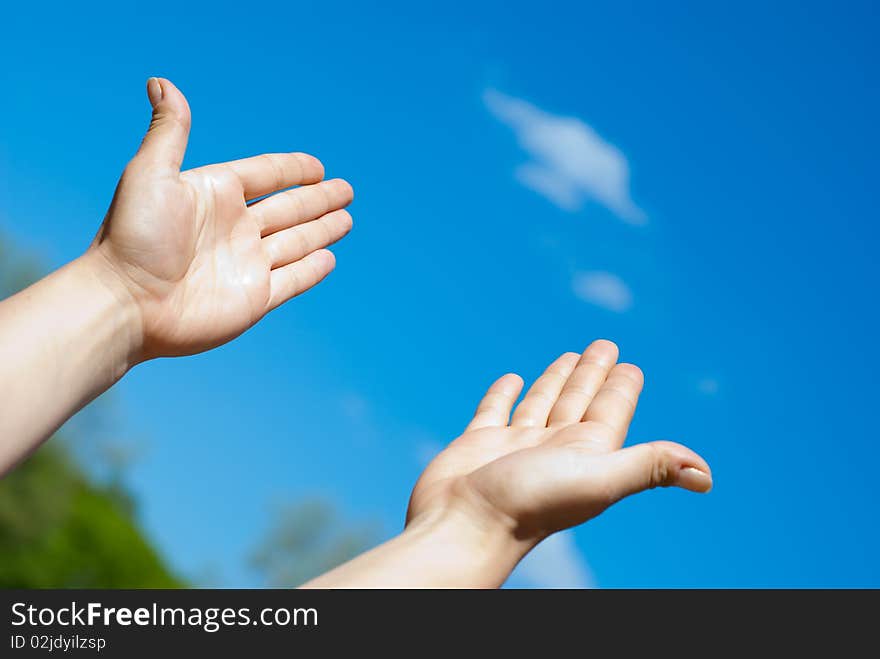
point(185, 622)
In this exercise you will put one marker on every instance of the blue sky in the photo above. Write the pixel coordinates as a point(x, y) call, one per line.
point(697, 183)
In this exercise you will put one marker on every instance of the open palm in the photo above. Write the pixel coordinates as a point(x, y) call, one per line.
point(202, 259)
point(558, 461)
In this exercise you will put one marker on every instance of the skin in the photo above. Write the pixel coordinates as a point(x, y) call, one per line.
point(509, 482)
point(182, 263)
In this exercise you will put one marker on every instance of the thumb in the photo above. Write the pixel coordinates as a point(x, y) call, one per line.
point(165, 142)
point(656, 464)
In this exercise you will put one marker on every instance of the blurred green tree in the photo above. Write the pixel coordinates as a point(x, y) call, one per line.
point(58, 529)
point(306, 539)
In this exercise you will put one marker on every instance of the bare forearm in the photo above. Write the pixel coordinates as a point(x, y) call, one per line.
point(63, 341)
point(443, 552)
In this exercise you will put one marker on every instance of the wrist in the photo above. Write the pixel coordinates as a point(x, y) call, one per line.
point(446, 545)
point(473, 551)
point(122, 315)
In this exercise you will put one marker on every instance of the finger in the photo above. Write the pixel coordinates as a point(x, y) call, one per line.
point(291, 280)
point(270, 172)
point(612, 408)
point(584, 382)
point(292, 244)
point(494, 409)
point(655, 464)
point(302, 204)
point(164, 144)
point(539, 400)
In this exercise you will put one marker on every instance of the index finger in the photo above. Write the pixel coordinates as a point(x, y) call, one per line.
point(494, 409)
point(270, 172)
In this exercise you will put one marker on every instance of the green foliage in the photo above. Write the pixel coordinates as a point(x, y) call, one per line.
point(307, 539)
point(60, 530)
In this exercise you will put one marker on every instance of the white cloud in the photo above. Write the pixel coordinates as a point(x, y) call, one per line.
point(555, 563)
point(571, 162)
point(604, 289)
point(708, 386)
point(358, 418)
point(354, 407)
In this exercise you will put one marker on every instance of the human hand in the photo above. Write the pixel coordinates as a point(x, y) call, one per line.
point(505, 484)
point(198, 264)
point(557, 463)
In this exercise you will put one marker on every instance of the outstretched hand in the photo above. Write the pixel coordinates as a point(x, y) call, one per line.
point(509, 482)
point(559, 460)
point(183, 262)
point(203, 254)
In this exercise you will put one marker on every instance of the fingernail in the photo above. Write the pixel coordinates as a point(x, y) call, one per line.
point(695, 480)
point(154, 91)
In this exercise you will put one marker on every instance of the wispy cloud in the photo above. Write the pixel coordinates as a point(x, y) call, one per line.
point(358, 417)
point(604, 289)
point(354, 407)
point(570, 163)
point(708, 386)
point(555, 563)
